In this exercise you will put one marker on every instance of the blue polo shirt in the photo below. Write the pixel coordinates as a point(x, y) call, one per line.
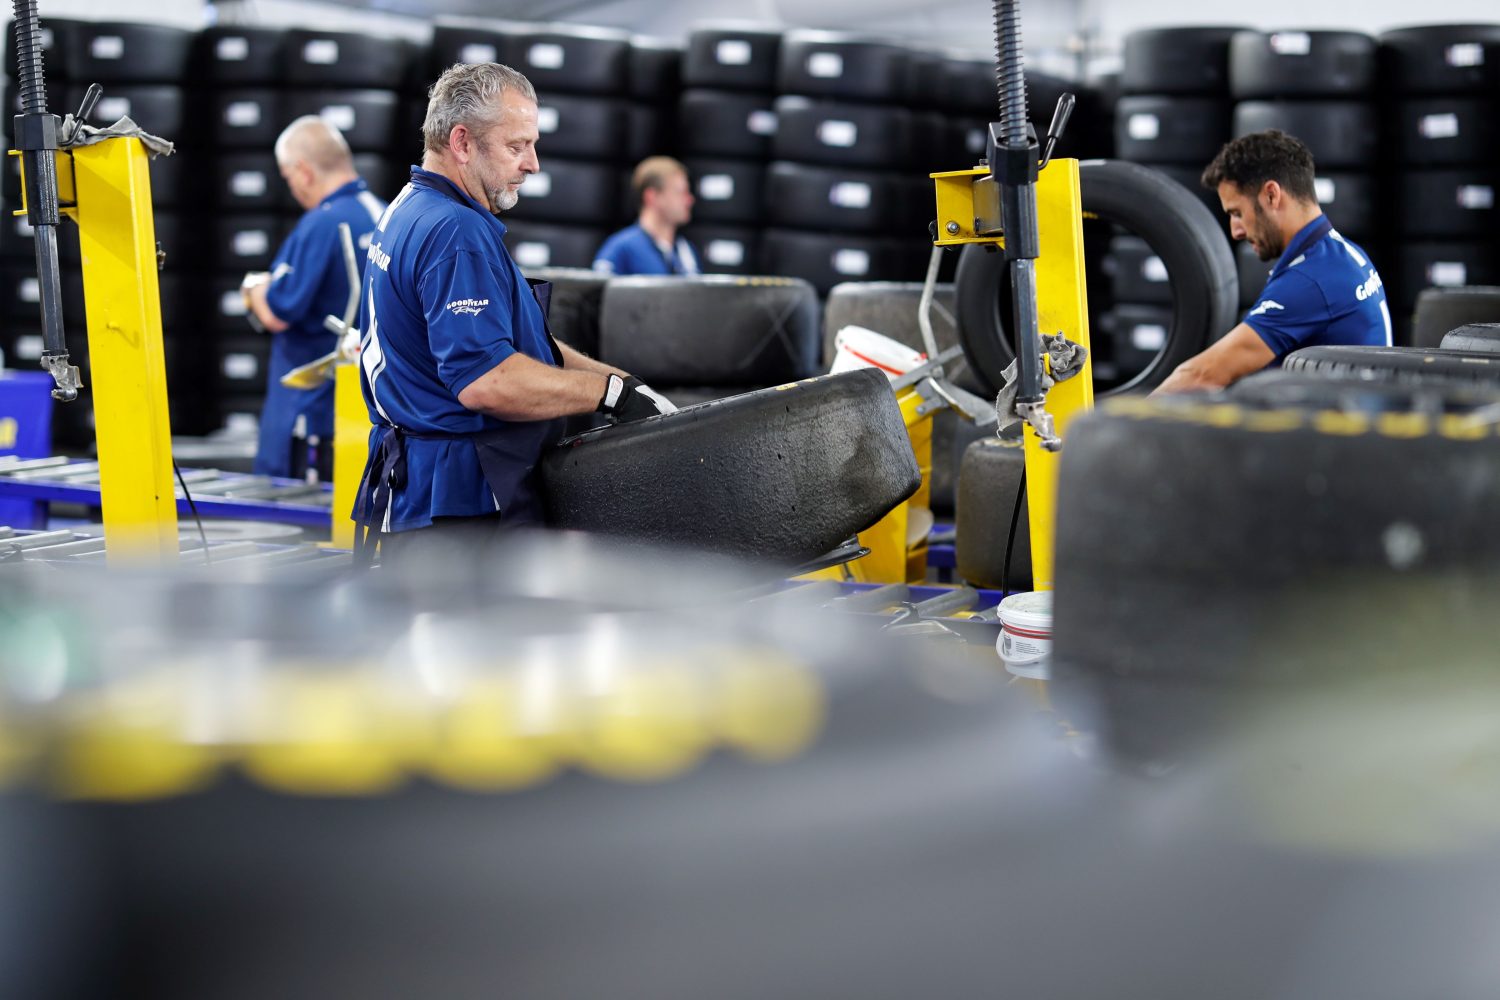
point(443, 303)
point(309, 282)
point(1323, 290)
point(633, 251)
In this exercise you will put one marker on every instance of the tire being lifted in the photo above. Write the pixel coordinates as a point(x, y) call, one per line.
point(781, 475)
point(1179, 228)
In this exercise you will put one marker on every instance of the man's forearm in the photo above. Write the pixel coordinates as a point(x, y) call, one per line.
point(575, 360)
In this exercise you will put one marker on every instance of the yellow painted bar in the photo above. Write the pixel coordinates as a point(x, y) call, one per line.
point(117, 239)
point(1062, 305)
point(351, 447)
point(954, 190)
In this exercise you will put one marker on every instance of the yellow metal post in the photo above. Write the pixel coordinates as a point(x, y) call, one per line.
point(117, 239)
point(1062, 306)
point(351, 447)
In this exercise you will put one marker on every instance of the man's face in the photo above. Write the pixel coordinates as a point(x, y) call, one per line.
point(674, 200)
point(1248, 221)
point(504, 155)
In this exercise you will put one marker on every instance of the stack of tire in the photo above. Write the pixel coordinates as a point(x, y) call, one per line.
point(726, 124)
point(1174, 116)
point(582, 77)
point(844, 198)
point(140, 68)
point(259, 80)
point(1442, 87)
point(1320, 87)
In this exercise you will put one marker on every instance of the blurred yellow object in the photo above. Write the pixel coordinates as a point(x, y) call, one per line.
point(769, 709)
point(351, 447)
point(651, 724)
point(482, 743)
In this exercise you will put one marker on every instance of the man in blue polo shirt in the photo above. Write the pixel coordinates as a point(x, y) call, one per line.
point(465, 385)
point(652, 245)
point(1323, 289)
point(307, 281)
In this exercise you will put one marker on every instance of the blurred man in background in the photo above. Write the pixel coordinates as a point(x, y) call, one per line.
point(308, 280)
point(652, 245)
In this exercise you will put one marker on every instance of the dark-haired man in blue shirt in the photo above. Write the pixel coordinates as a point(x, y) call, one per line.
point(652, 245)
point(1323, 289)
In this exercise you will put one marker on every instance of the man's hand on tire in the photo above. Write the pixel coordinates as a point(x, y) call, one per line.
point(628, 398)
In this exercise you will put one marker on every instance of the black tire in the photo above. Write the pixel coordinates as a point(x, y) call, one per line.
point(17, 240)
point(367, 119)
point(56, 42)
point(1205, 285)
point(1442, 268)
point(1136, 273)
point(384, 176)
point(248, 182)
point(1351, 392)
point(1440, 310)
point(457, 40)
point(1448, 204)
point(1137, 334)
point(160, 110)
point(1351, 201)
point(1206, 549)
point(1177, 61)
point(765, 475)
point(1441, 59)
point(655, 70)
point(245, 119)
point(713, 330)
point(726, 249)
point(583, 127)
point(683, 396)
point(717, 123)
point(572, 191)
point(989, 480)
point(951, 437)
point(546, 244)
point(649, 130)
point(243, 242)
point(1445, 131)
point(236, 56)
point(727, 192)
point(732, 58)
point(1477, 338)
point(1190, 178)
point(842, 134)
point(968, 88)
point(1187, 130)
point(843, 66)
point(890, 308)
point(122, 52)
point(837, 199)
point(1395, 364)
point(572, 60)
point(1339, 134)
point(1283, 64)
point(240, 364)
point(344, 60)
point(577, 296)
point(827, 259)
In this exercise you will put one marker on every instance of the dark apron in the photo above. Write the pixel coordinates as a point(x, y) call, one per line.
point(507, 457)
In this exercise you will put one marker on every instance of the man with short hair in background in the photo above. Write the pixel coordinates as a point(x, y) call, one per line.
point(308, 281)
point(652, 245)
point(1323, 288)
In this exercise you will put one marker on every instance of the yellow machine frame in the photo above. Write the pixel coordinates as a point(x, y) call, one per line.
point(963, 198)
point(105, 188)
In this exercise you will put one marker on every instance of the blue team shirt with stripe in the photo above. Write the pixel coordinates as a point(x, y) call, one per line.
point(1323, 290)
point(443, 303)
point(633, 251)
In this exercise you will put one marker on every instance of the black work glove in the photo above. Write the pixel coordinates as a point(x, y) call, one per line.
point(629, 398)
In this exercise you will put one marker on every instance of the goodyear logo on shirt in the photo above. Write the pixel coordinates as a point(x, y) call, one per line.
point(469, 307)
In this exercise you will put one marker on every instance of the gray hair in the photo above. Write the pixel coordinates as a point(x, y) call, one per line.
point(468, 94)
point(316, 142)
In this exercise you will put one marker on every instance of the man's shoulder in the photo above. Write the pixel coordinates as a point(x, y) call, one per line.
point(623, 238)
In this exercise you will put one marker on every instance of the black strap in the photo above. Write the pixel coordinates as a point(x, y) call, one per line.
point(385, 473)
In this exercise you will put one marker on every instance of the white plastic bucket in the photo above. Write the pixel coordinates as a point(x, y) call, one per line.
point(857, 347)
point(1025, 641)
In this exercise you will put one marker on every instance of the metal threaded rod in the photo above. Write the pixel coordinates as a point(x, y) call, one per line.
point(29, 58)
point(1010, 73)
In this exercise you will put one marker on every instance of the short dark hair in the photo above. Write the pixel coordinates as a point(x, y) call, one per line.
point(1251, 160)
